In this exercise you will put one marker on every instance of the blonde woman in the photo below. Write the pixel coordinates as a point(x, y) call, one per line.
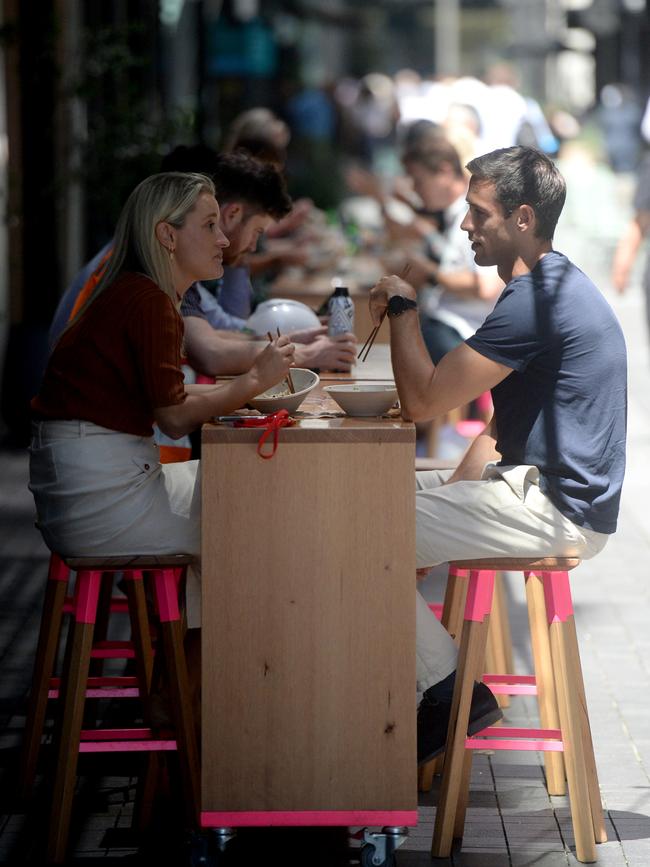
point(94, 471)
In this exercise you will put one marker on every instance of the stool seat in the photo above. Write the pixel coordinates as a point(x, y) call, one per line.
point(519, 564)
point(102, 563)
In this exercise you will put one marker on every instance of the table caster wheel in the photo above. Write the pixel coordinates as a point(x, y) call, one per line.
point(371, 857)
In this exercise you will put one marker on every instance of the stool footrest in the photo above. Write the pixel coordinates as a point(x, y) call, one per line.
point(511, 684)
point(136, 740)
point(102, 687)
point(509, 738)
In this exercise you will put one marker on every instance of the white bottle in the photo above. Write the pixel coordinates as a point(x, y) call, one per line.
point(341, 312)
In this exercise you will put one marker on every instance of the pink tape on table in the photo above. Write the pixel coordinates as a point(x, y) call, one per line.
point(262, 818)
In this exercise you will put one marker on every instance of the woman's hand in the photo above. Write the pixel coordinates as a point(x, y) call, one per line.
point(272, 364)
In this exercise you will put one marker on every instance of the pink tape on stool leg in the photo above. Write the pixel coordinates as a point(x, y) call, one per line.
point(57, 571)
point(167, 594)
point(86, 596)
point(479, 594)
point(557, 594)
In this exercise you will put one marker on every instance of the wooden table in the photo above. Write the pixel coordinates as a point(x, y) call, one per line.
point(308, 673)
point(314, 288)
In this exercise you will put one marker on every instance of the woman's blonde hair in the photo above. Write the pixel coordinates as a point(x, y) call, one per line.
point(167, 197)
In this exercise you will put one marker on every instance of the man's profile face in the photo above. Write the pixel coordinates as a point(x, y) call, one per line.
point(490, 231)
point(244, 235)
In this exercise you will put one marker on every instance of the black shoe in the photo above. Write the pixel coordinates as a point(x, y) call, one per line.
point(433, 720)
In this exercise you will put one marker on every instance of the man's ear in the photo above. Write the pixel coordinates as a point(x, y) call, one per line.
point(166, 235)
point(231, 215)
point(525, 218)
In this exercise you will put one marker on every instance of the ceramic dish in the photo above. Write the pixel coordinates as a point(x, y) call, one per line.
point(279, 397)
point(363, 399)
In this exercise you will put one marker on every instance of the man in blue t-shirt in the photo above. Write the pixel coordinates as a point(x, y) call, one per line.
point(545, 477)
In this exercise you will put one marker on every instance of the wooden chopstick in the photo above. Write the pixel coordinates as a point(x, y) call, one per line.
point(373, 333)
point(288, 378)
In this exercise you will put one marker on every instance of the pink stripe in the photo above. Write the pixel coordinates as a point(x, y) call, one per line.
point(214, 819)
point(499, 731)
point(167, 595)
point(106, 692)
point(479, 594)
point(454, 572)
point(57, 571)
point(127, 746)
point(557, 593)
point(436, 607)
point(509, 678)
point(86, 595)
point(112, 653)
point(490, 744)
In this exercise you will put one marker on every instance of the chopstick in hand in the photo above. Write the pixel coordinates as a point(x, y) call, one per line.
point(288, 378)
point(371, 339)
point(373, 333)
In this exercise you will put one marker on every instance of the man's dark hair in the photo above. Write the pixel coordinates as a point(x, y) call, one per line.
point(239, 177)
point(198, 158)
point(433, 153)
point(524, 176)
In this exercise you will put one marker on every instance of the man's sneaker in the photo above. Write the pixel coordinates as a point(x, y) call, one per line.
point(433, 720)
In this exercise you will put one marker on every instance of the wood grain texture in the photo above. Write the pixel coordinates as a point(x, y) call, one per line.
point(308, 626)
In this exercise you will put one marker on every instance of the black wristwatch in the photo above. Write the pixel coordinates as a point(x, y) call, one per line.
point(398, 305)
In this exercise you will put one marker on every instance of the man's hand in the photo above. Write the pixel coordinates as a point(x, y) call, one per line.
point(383, 291)
point(328, 353)
point(307, 335)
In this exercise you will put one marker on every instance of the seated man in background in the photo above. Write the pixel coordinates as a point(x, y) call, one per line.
point(454, 293)
point(255, 196)
point(251, 196)
point(545, 477)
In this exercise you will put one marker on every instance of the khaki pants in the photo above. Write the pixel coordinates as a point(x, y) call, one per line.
point(504, 514)
point(101, 492)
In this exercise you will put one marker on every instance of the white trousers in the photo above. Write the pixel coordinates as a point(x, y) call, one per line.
point(102, 492)
point(504, 514)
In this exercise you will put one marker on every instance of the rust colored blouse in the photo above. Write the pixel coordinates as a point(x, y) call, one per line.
point(118, 361)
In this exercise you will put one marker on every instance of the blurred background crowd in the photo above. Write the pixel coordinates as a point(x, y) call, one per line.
point(338, 95)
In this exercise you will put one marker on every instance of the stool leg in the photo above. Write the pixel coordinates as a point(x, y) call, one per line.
point(103, 618)
point(140, 636)
point(499, 647)
point(546, 698)
point(48, 644)
point(454, 603)
point(452, 620)
point(72, 699)
point(595, 800)
point(181, 700)
point(471, 660)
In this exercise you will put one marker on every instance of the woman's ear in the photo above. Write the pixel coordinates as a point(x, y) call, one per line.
point(166, 235)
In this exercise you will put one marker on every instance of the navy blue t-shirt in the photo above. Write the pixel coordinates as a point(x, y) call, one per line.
point(563, 408)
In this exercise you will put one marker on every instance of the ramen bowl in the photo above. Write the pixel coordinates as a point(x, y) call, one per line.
point(278, 396)
point(363, 399)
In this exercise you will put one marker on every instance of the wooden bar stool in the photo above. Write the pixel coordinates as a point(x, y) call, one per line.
point(564, 736)
point(498, 650)
point(45, 686)
point(162, 574)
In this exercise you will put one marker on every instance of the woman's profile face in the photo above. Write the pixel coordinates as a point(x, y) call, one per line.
point(198, 245)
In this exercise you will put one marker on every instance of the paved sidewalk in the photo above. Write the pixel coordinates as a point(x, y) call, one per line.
point(511, 820)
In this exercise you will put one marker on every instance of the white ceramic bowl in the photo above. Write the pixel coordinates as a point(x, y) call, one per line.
point(279, 397)
point(363, 398)
point(282, 313)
